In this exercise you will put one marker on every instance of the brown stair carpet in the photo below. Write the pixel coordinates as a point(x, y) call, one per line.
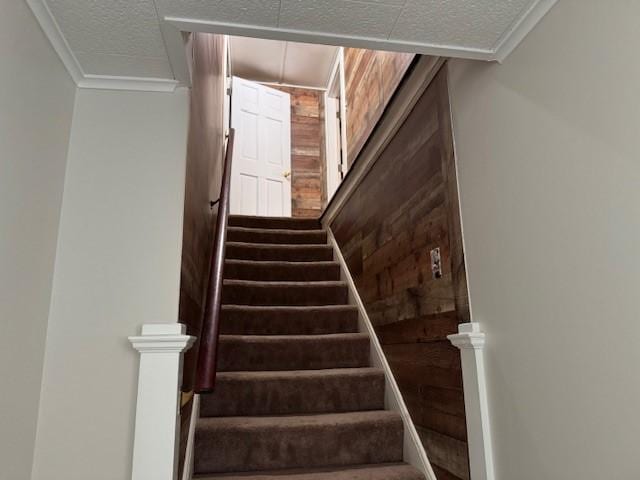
point(282, 271)
point(296, 397)
point(361, 472)
point(262, 235)
point(279, 252)
point(278, 320)
point(246, 292)
point(298, 391)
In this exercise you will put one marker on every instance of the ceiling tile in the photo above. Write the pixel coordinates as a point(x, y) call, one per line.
point(123, 65)
point(250, 12)
point(308, 64)
point(475, 24)
point(255, 59)
point(120, 27)
point(397, 3)
point(353, 18)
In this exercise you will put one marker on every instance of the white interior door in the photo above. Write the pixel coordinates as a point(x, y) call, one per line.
point(261, 170)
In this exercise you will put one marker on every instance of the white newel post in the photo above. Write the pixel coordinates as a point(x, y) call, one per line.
point(470, 340)
point(155, 444)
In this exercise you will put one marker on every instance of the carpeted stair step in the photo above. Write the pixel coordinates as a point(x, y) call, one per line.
point(277, 252)
point(269, 235)
point(237, 353)
point(304, 441)
point(295, 392)
point(389, 471)
point(281, 271)
point(246, 292)
point(280, 223)
point(279, 320)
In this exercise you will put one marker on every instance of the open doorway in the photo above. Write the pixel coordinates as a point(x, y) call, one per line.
point(301, 112)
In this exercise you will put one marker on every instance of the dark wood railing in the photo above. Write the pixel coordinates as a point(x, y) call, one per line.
point(207, 354)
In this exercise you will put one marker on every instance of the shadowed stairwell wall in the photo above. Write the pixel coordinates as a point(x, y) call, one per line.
point(203, 179)
point(406, 206)
point(371, 78)
point(205, 152)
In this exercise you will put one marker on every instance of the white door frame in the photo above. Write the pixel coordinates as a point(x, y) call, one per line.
point(336, 82)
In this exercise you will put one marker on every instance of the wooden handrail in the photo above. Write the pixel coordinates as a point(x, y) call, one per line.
point(207, 354)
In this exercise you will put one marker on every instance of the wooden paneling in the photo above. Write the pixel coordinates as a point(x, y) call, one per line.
point(371, 79)
point(203, 178)
point(405, 206)
point(307, 151)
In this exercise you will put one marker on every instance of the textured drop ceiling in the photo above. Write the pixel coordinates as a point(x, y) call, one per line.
point(125, 37)
point(278, 61)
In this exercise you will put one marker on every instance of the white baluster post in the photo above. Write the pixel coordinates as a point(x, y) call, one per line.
point(161, 348)
point(470, 340)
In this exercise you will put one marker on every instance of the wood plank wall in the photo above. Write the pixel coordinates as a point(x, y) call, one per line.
point(308, 184)
point(203, 180)
point(371, 78)
point(406, 206)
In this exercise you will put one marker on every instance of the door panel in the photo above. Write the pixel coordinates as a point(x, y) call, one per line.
point(248, 194)
point(260, 177)
point(274, 198)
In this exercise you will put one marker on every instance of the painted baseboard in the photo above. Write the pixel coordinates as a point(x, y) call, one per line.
point(187, 471)
point(414, 453)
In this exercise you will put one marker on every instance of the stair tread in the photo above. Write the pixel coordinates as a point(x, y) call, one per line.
point(297, 422)
point(274, 222)
point(293, 352)
point(287, 283)
point(293, 338)
point(290, 308)
point(292, 252)
point(258, 443)
point(295, 392)
point(283, 263)
point(281, 246)
point(291, 231)
point(290, 319)
point(382, 471)
point(292, 374)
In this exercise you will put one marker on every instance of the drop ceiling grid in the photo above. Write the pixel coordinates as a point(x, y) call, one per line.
point(123, 37)
point(113, 36)
point(474, 24)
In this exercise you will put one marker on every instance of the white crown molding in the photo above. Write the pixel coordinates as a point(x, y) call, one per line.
point(512, 37)
point(471, 342)
point(53, 32)
point(176, 50)
point(145, 84)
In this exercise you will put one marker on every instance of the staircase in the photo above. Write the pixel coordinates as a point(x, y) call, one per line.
point(295, 395)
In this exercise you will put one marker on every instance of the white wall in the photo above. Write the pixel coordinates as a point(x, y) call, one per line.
point(548, 147)
point(36, 105)
point(117, 267)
